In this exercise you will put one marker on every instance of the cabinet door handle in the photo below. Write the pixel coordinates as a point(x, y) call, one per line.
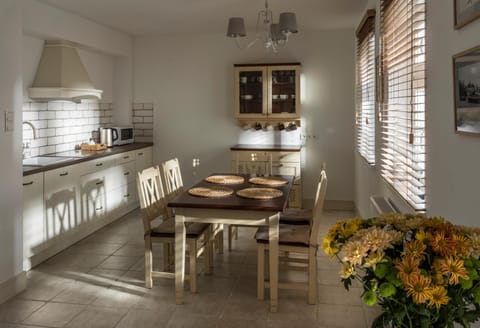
point(127, 195)
point(99, 208)
point(99, 183)
point(126, 173)
point(140, 154)
point(126, 157)
point(99, 164)
point(63, 174)
point(28, 183)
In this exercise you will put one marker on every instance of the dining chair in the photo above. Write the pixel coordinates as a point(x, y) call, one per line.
point(153, 205)
point(174, 186)
point(251, 168)
point(297, 240)
point(299, 216)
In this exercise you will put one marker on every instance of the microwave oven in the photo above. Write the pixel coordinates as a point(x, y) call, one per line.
point(122, 135)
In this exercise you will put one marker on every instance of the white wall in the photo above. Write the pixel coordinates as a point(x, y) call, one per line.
point(452, 159)
point(10, 143)
point(190, 81)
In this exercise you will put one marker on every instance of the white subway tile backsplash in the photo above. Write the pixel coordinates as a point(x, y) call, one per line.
point(148, 106)
point(137, 106)
point(143, 113)
point(137, 119)
point(143, 121)
point(143, 126)
point(62, 125)
point(148, 119)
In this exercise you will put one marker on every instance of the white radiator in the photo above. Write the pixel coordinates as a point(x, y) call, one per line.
point(381, 205)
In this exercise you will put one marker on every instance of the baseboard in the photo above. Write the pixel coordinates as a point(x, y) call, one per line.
point(13, 286)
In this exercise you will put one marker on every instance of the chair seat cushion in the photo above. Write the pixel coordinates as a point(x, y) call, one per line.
point(167, 229)
point(296, 216)
point(294, 235)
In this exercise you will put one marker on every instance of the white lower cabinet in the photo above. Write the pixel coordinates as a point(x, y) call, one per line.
point(64, 205)
point(34, 228)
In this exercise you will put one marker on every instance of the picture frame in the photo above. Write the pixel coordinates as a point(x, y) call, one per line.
point(466, 79)
point(465, 11)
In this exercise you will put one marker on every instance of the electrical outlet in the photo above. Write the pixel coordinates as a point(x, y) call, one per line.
point(9, 121)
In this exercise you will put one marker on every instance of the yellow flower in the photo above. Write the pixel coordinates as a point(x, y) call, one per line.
point(463, 245)
point(442, 244)
point(415, 249)
point(418, 287)
point(439, 297)
point(329, 247)
point(408, 268)
point(351, 227)
point(475, 246)
point(373, 259)
point(452, 267)
point(347, 271)
point(423, 236)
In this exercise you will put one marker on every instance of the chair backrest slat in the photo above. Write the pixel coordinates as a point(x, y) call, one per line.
point(172, 177)
point(151, 196)
point(318, 208)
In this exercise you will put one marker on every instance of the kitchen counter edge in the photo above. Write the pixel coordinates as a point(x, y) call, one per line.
point(29, 170)
point(267, 147)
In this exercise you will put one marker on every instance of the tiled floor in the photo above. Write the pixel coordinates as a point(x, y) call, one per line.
point(98, 282)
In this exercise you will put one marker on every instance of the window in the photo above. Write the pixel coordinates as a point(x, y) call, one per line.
point(365, 102)
point(402, 113)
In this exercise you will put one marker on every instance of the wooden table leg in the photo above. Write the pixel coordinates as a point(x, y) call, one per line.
point(273, 259)
point(180, 238)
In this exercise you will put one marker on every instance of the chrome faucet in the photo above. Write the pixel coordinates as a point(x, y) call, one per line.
point(26, 144)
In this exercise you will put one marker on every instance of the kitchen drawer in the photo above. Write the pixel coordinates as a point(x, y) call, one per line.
point(250, 156)
point(254, 167)
point(121, 197)
point(125, 157)
point(283, 156)
point(144, 158)
point(33, 216)
point(64, 176)
point(96, 165)
point(92, 197)
point(120, 175)
point(283, 168)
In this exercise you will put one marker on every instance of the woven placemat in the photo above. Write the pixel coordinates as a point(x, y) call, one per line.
point(210, 192)
point(260, 193)
point(225, 179)
point(268, 181)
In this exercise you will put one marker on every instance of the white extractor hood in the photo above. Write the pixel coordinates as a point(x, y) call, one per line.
point(61, 75)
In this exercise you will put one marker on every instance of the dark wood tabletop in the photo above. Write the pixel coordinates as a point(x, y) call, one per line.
point(234, 202)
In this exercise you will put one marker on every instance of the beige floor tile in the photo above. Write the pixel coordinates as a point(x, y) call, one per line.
point(54, 315)
point(371, 313)
point(42, 291)
point(145, 319)
point(101, 277)
point(291, 309)
point(8, 325)
point(289, 323)
point(17, 310)
point(240, 308)
point(185, 320)
point(227, 322)
point(95, 248)
point(339, 296)
point(97, 317)
point(79, 293)
point(119, 262)
point(122, 298)
point(133, 250)
point(341, 316)
point(66, 259)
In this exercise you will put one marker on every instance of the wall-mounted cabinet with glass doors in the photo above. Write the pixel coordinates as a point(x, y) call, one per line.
point(267, 91)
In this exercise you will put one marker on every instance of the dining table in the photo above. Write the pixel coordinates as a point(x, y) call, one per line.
point(231, 209)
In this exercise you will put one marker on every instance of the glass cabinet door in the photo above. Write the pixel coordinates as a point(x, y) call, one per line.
point(284, 91)
point(250, 91)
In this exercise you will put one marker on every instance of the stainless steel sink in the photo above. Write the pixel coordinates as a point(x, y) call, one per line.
point(44, 160)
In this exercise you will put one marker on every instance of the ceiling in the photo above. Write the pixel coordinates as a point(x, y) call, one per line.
point(153, 17)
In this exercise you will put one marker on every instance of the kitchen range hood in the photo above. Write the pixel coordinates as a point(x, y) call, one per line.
point(61, 75)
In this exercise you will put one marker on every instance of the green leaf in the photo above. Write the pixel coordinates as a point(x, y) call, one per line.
point(386, 289)
point(392, 278)
point(370, 298)
point(379, 321)
point(347, 283)
point(476, 295)
point(466, 284)
point(381, 270)
point(472, 273)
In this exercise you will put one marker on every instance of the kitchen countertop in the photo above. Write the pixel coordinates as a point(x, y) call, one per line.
point(82, 156)
point(267, 147)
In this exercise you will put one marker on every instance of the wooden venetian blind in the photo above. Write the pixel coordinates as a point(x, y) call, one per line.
point(365, 102)
point(402, 113)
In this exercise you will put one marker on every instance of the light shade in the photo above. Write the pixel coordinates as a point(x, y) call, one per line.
point(276, 34)
point(288, 23)
point(236, 27)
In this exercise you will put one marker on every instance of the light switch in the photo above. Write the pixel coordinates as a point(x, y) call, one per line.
point(9, 121)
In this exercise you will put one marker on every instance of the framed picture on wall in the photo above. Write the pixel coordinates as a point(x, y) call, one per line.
point(466, 11)
point(466, 79)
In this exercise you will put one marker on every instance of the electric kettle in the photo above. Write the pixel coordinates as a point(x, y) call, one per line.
point(106, 136)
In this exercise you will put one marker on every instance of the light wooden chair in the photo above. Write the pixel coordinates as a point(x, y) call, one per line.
point(299, 216)
point(153, 206)
point(252, 168)
point(174, 186)
point(294, 240)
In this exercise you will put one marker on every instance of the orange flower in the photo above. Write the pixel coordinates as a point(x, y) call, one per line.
point(415, 249)
point(443, 245)
point(463, 245)
point(419, 288)
point(407, 268)
point(454, 268)
point(439, 297)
